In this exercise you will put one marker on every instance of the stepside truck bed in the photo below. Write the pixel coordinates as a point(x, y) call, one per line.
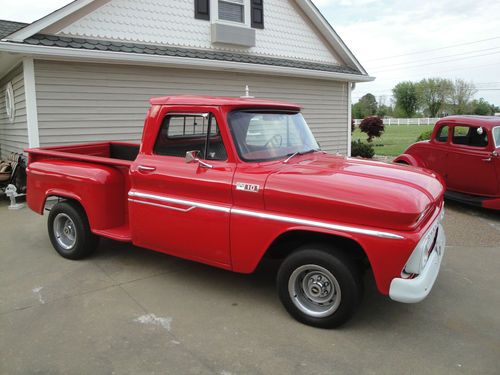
point(94, 174)
point(110, 153)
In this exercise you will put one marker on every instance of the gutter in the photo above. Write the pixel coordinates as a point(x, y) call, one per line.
point(74, 54)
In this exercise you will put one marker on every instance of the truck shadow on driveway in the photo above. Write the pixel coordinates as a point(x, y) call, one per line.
point(127, 265)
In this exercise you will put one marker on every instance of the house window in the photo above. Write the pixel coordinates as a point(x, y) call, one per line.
point(10, 104)
point(249, 13)
point(232, 10)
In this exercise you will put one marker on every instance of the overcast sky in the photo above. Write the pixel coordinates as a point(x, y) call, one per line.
point(393, 40)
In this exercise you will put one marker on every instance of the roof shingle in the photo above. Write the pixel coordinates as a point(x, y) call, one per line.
point(92, 44)
point(9, 27)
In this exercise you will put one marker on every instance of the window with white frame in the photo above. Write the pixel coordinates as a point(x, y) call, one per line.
point(232, 10)
point(249, 13)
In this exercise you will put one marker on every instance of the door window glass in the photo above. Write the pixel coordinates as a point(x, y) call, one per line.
point(442, 134)
point(470, 136)
point(180, 133)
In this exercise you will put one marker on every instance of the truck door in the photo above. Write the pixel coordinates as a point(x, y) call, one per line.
point(183, 207)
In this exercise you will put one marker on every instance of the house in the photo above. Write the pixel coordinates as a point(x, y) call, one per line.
point(86, 71)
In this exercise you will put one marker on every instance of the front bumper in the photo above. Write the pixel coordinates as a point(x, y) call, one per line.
point(415, 290)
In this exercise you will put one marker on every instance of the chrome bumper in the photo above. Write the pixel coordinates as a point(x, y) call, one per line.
point(415, 290)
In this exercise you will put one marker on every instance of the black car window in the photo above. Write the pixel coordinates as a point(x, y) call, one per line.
point(470, 136)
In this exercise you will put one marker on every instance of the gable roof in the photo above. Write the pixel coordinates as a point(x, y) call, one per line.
point(10, 27)
point(49, 20)
point(29, 34)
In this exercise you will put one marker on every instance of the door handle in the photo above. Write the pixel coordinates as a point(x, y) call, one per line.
point(487, 160)
point(145, 169)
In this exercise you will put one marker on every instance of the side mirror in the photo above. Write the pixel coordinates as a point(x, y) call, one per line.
point(494, 154)
point(480, 131)
point(192, 157)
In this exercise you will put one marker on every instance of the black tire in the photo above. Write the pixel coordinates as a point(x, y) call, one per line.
point(334, 311)
point(75, 240)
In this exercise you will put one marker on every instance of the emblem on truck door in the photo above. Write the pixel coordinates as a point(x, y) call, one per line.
point(247, 187)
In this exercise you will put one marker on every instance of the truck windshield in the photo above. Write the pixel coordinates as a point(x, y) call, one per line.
point(264, 135)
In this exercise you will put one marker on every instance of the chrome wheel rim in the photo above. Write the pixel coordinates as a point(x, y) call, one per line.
point(314, 290)
point(64, 231)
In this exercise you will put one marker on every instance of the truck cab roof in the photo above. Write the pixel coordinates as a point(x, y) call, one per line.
point(196, 100)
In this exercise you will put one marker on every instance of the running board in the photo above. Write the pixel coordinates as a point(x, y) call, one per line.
point(121, 234)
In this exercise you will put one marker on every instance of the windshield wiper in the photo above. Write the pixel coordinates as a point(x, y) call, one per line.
point(291, 156)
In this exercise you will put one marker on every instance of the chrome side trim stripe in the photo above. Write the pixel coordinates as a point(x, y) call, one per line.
point(260, 215)
point(163, 205)
point(314, 223)
point(162, 198)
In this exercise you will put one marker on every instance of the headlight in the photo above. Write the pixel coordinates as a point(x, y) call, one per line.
point(420, 255)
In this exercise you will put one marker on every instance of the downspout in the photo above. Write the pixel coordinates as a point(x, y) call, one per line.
point(350, 86)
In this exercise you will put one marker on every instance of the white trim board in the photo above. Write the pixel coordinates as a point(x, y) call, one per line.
point(31, 106)
point(73, 54)
point(48, 20)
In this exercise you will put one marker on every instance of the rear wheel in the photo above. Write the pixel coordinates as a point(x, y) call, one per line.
point(69, 231)
point(320, 286)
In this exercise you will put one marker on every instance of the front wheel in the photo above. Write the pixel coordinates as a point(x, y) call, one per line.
point(320, 286)
point(69, 231)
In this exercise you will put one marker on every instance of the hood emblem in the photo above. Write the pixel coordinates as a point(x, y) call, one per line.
point(243, 186)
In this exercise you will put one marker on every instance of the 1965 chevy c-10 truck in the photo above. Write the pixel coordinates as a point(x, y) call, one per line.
point(227, 182)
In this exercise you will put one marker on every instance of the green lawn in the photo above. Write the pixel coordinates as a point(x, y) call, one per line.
point(395, 139)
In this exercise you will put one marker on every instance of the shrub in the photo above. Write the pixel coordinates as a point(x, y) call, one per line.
point(364, 150)
point(373, 126)
point(425, 136)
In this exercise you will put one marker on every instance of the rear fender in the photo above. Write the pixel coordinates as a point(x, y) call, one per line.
point(409, 160)
point(99, 189)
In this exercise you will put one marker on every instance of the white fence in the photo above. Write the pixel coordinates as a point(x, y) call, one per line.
point(405, 121)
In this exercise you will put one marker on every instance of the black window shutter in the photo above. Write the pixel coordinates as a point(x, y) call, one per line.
point(257, 14)
point(202, 9)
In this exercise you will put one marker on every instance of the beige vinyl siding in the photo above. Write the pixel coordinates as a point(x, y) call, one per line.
point(13, 135)
point(80, 102)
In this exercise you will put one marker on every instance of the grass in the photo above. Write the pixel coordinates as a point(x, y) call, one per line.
point(395, 139)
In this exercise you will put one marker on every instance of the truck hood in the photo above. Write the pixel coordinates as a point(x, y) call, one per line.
point(346, 190)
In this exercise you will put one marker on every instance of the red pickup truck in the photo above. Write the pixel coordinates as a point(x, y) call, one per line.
point(227, 182)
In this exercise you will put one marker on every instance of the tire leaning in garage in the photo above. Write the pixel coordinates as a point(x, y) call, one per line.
point(69, 231)
point(320, 286)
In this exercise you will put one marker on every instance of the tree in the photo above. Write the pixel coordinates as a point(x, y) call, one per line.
point(434, 93)
point(406, 97)
point(462, 95)
point(373, 126)
point(383, 109)
point(482, 107)
point(366, 106)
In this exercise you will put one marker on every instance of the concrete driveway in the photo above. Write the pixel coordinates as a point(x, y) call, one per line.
point(129, 310)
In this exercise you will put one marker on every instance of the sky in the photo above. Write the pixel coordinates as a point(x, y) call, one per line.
point(393, 40)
